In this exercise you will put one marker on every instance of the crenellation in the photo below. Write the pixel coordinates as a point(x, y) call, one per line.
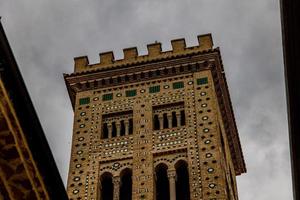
point(80, 63)
point(130, 53)
point(154, 52)
point(205, 41)
point(178, 45)
point(154, 49)
point(107, 58)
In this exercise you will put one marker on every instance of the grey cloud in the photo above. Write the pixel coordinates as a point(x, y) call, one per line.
point(46, 35)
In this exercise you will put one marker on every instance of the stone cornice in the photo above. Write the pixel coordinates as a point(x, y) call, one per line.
point(132, 73)
point(228, 118)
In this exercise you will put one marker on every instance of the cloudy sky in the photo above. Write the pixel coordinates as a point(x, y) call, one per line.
point(46, 35)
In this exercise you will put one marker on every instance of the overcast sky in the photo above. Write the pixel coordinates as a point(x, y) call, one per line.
point(46, 35)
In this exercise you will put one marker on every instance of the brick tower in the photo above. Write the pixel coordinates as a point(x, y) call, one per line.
point(154, 127)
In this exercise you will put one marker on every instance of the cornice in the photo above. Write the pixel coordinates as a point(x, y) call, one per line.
point(226, 108)
point(133, 73)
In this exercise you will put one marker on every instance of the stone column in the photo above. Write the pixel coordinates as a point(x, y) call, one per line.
point(172, 184)
point(161, 121)
point(116, 192)
point(109, 128)
point(126, 123)
point(178, 116)
point(169, 116)
point(118, 127)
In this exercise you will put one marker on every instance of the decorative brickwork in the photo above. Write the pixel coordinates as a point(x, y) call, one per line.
point(166, 113)
point(19, 176)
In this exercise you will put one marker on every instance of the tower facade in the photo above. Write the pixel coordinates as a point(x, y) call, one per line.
point(158, 126)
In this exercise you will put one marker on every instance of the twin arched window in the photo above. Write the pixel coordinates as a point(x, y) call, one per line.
point(174, 183)
point(168, 183)
point(122, 183)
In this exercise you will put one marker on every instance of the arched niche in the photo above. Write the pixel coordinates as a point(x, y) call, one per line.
point(106, 186)
point(182, 180)
point(162, 182)
point(126, 184)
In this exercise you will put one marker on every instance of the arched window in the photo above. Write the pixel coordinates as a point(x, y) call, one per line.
point(104, 131)
point(122, 131)
point(126, 185)
point(162, 189)
point(174, 119)
point(182, 116)
point(113, 129)
point(107, 188)
point(182, 182)
point(156, 122)
point(165, 119)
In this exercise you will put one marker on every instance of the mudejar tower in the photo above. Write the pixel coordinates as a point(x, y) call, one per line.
point(154, 127)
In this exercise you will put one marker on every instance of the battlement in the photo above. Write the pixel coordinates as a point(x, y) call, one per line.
point(131, 55)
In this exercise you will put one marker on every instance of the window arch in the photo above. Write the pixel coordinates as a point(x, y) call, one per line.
point(126, 184)
point(114, 129)
point(104, 131)
point(122, 128)
point(165, 121)
point(156, 124)
point(174, 119)
point(182, 114)
point(162, 189)
point(182, 181)
point(106, 186)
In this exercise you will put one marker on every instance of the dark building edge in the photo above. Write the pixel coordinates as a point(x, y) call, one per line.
point(290, 20)
point(37, 142)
